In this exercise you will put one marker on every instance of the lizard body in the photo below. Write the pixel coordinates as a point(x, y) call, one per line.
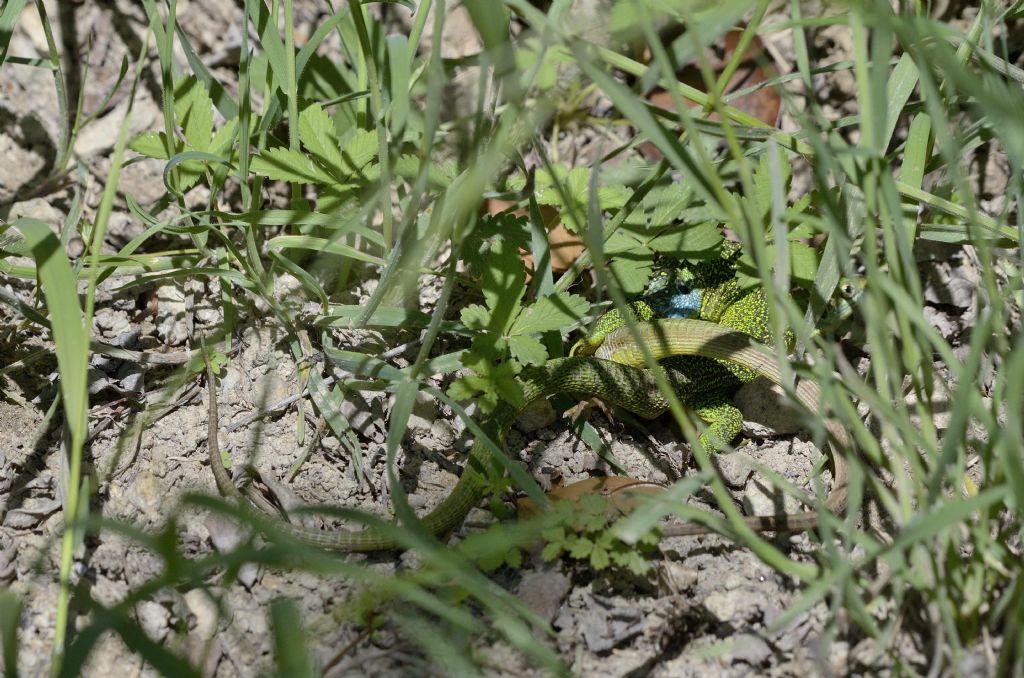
point(710, 342)
point(703, 290)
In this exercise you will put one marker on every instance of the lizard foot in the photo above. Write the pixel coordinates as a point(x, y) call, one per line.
point(584, 407)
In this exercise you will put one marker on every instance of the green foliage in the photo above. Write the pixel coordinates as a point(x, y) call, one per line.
point(193, 111)
point(568, 190)
point(656, 228)
point(505, 329)
point(584, 531)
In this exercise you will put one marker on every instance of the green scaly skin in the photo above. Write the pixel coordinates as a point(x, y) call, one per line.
point(706, 359)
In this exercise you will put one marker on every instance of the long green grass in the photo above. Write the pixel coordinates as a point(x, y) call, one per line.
point(399, 180)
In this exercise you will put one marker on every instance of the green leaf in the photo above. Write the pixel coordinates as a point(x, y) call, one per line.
point(569, 190)
point(282, 164)
point(514, 558)
point(527, 350)
point(504, 283)
point(10, 618)
point(439, 175)
point(475, 317)
point(803, 262)
point(666, 203)
point(490, 384)
point(632, 276)
point(599, 558)
point(467, 387)
point(193, 109)
point(151, 145)
point(593, 504)
point(595, 522)
point(549, 58)
point(636, 564)
point(554, 534)
point(626, 241)
point(551, 551)
point(398, 82)
point(581, 548)
point(337, 200)
point(553, 312)
point(491, 560)
point(689, 241)
point(359, 151)
point(316, 132)
point(651, 537)
point(606, 539)
point(224, 137)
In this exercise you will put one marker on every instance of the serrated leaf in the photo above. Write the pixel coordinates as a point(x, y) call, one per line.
point(151, 145)
point(484, 350)
point(599, 558)
point(651, 537)
point(554, 535)
point(514, 558)
point(803, 262)
point(802, 203)
point(577, 183)
point(553, 312)
point(503, 284)
point(490, 384)
point(357, 152)
point(632, 276)
point(223, 138)
point(571, 194)
point(551, 551)
point(581, 548)
point(595, 522)
point(475, 387)
point(316, 132)
point(625, 241)
point(762, 197)
point(193, 109)
point(636, 564)
point(503, 378)
point(612, 197)
point(337, 200)
point(527, 350)
point(475, 317)
point(593, 504)
point(550, 57)
point(666, 204)
point(688, 240)
point(283, 164)
point(491, 562)
point(439, 174)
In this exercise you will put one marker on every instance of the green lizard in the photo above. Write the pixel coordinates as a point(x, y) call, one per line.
point(710, 347)
point(705, 290)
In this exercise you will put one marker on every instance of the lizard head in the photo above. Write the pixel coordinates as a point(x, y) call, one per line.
point(700, 288)
point(674, 293)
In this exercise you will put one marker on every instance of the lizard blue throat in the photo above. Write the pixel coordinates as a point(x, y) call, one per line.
point(671, 295)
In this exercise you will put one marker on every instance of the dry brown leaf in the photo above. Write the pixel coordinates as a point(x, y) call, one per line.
point(621, 493)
